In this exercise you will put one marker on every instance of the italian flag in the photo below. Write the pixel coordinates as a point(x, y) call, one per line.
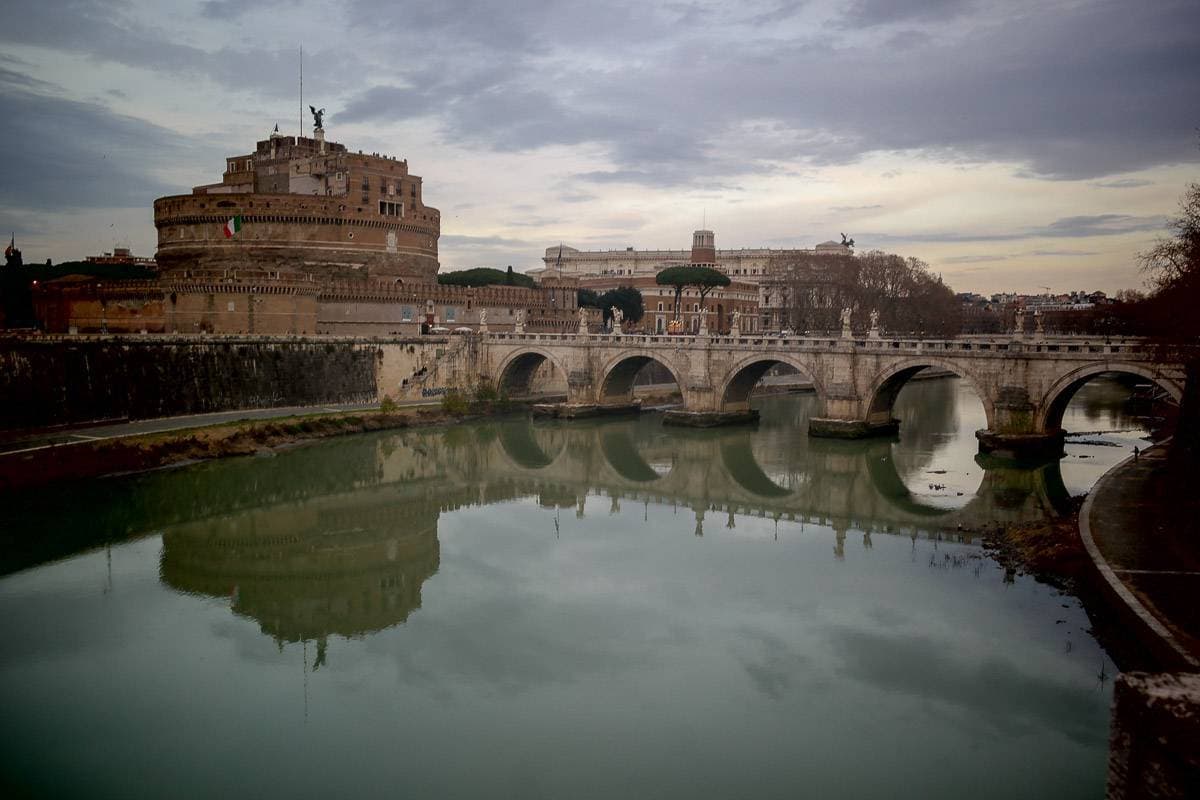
point(233, 226)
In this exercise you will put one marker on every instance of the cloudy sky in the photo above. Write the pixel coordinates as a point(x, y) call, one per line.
point(1012, 145)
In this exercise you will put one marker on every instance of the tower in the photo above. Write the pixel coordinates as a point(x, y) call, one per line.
point(704, 249)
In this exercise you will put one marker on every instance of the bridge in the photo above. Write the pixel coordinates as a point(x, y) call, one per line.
point(1024, 382)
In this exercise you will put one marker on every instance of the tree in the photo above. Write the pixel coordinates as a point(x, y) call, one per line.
point(1169, 313)
point(485, 276)
point(16, 299)
point(1174, 262)
point(705, 279)
point(811, 290)
point(626, 298)
point(588, 298)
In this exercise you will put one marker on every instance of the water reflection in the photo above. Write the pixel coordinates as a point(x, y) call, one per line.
point(341, 564)
point(749, 601)
point(338, 539)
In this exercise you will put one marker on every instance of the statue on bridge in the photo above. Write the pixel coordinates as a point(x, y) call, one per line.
point(483, 320)
point(618, 316)
point(1019, 323)
point(735, 326)
point(582, 321)
point(874, 333)
point(847, 313)
point(519, 325)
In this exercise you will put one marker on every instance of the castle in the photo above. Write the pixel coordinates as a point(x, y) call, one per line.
point(301, 236)
point(304, 206)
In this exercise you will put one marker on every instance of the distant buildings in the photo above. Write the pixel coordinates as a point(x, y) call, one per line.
point(124, 257)
point(753, 274)
point(1067, 312)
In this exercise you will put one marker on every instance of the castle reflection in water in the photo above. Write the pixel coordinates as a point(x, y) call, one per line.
point(338, 538)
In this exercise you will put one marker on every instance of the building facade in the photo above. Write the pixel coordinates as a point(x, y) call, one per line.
point(754, 293)
point(271, 304)
point(746, 263)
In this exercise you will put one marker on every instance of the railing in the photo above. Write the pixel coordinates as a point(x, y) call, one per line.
point(1065, 344)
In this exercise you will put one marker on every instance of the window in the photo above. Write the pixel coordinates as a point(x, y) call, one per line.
point(660, 308)
point(391, 190)
point(450, 313)
point(389, 209)
point(406, 314)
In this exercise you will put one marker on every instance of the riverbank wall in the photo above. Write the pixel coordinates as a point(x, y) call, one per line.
point(50, 381)
point(1145, 558)
point(40, 466)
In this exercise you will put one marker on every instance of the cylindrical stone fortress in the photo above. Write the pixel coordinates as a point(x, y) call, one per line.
point(304, 206)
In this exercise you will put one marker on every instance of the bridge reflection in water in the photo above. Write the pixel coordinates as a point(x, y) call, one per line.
point(345, 543)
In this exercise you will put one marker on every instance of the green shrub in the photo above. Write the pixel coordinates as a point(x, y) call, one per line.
point(453, 402)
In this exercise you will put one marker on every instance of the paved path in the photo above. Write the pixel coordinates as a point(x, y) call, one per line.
point(1148, 557)
point(113, 430)
point(117, 429)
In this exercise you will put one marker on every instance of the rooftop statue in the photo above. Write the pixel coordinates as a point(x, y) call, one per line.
point(318, 117)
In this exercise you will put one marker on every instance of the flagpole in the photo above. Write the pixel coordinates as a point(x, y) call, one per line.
point(301, 90)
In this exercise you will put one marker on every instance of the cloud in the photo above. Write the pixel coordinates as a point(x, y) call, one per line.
point(977, 259)
point(851, 209)
point(693, 94)
point(79, 155)
point(1063, 253)
point(108, 31)
point(1078, 227)
point(483, 241)
point(1099, 225)
point(869, 13)
point(1123, 183)
point(225, 10)
point(1066, 92)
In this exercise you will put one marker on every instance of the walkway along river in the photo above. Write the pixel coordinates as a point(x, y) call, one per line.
point(587, 609)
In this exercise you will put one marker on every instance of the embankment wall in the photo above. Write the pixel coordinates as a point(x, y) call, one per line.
point(49, 381)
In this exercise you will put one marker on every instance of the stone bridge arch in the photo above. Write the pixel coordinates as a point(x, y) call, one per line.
point(733, 390)
point(516, 371)
point(617, 374)
point(885, 387)
point(1056, 399)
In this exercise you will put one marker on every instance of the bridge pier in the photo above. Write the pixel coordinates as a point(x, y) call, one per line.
point(830, 428)
point(585, 410)
point(709, 419)
point(1024, 447)
point(1014, 433)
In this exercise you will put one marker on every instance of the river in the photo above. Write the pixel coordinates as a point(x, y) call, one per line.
point(547, 609)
